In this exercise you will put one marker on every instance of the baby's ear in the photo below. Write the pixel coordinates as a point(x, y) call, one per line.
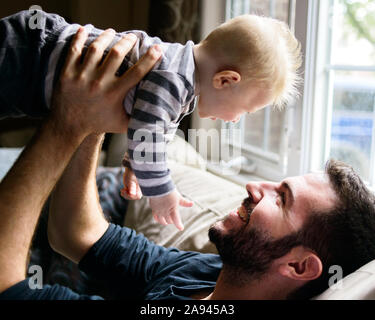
point(225, 79)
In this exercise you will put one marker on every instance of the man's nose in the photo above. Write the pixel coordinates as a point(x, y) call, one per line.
point(254, 190)
point(259, 189)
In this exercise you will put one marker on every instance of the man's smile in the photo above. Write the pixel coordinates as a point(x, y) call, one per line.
point(245, 210)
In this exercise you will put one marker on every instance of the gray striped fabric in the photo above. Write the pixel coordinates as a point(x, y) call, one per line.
point(156, 106)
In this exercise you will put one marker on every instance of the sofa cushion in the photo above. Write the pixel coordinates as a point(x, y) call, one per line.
point(359, 285)
point(213, 198)
point(7, 157)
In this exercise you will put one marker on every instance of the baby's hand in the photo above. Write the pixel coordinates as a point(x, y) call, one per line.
point(165, 209)
point(131, 190)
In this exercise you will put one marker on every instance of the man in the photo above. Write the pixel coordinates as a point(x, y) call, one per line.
point(279, 245)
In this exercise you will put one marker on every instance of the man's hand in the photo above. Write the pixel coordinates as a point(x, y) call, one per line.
point(89, 97)
point(165, 209)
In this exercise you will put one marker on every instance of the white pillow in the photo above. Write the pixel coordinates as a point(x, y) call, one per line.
point(7, 158)
point(359, 285)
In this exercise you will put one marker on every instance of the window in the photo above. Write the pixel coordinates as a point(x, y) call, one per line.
point(342, 108)
point(335, 114)
point(264, 134)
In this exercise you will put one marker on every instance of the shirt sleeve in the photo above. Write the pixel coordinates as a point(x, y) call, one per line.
point(23, 291)
point(130, 264)
point(159, 103)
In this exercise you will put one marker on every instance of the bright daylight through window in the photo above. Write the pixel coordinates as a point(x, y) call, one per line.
point(345, 86)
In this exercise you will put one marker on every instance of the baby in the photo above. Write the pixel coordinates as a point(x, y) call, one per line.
point(242, 66)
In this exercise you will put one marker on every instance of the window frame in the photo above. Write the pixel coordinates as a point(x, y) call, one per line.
point(319, 79)
point(307, 122)
point(271, 165)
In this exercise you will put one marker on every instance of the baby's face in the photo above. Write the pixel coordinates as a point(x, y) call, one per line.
point(230, 105)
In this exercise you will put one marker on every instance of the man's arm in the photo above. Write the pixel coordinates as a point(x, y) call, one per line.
point(24, 191)
point(76, 220)
point(88, 100)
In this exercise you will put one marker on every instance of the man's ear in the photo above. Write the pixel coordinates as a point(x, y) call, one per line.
point(301, 264)
point(226, 78)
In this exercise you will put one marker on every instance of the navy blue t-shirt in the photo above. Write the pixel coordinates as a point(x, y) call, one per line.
point(133, 268)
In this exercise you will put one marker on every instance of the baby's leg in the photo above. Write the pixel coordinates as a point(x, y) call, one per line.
point(31, 59)
point(24, 54)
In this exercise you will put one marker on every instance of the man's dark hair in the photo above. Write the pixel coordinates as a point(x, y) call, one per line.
point(344, 236)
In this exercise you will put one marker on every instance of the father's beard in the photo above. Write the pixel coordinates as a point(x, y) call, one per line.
point(247, 255)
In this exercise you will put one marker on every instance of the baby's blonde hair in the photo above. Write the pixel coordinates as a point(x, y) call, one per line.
point(262, 50)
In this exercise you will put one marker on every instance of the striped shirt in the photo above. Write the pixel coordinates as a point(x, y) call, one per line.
point(155, 106)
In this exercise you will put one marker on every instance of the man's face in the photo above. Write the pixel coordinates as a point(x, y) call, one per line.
point(264, 227)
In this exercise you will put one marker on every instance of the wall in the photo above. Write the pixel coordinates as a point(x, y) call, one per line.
point(8, 7)
point(120, 15)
